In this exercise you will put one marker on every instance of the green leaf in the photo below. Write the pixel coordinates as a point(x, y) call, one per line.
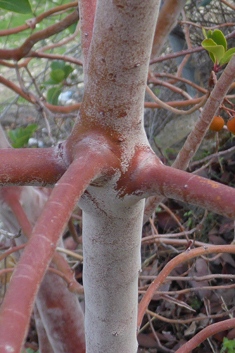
point(219, 38)
point(57, 75)
point(216, 51)
point(57, 65)
point(21, 136)
point(227, 56)
point(228, 345)
point(68, 70)
point(204, 33)
point(53, 95)
point(50, 82)
point(19, 6)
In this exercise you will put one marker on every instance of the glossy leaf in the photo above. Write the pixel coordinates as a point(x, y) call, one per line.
point(219, 38)
point(18, 6)
point(216, 51)
point(227, 56)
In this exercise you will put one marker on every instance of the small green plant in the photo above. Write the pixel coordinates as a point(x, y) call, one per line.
point(20, 137)
point(59, 73)
point(216, 44)
point(228, 346)
point(189, 214)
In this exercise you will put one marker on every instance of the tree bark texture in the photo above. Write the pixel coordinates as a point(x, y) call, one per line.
point(116, 76)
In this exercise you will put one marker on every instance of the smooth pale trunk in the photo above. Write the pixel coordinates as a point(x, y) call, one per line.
point(111, 240)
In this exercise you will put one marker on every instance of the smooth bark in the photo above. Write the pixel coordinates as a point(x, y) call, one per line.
point(117, 66)
point(18, 303)
point(29, 166)
point(167, 20)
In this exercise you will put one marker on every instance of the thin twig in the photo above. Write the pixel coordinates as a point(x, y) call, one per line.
point(177, 111)
point(187, 321)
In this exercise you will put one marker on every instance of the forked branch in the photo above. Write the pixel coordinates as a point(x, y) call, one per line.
point(18, 303)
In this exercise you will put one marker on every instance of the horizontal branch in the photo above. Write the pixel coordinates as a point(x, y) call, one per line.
point(18, 303)
point(74, 107)
point(39, 54)
point(20, 52)
point(177, 111)
point(182, 103)
point(184, 52)
point(31, 166)
point(156, 178)
point(31, 23)
point(29, 98)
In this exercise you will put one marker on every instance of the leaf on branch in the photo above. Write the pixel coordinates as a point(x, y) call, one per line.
point(216, 44)
point(53, 95)
point(216, 52)
point(218, 37)
point(18, 6)
point(227, 56)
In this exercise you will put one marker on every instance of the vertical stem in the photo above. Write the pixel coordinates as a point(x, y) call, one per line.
point(111, 240)
point(87, 16)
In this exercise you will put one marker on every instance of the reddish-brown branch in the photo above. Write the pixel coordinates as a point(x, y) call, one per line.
point(184, 52)
point(175, 78)
point(167, 19)
point(18, 304)
point(53, 108)
point(156, 178)
point(52, 290)
point(227, 24)
point(33, 21)
point(176, 55)
point(74, 107)
point(185, 256)
point(206, 333)
point(11, 195)
point(11, 250)
point(20, 52)
point(228, 4)
point(31, 166)
point(184, 103)
point(196, 136)
point(35, 54)
point(210, 110)
point(87, 10)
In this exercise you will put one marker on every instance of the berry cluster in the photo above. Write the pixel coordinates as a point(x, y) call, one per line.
point(217, 124)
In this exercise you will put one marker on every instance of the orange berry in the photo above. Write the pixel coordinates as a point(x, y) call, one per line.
point(231, 125)
point(217, 123)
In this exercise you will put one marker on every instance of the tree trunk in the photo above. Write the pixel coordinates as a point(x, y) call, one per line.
point(111, 240)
